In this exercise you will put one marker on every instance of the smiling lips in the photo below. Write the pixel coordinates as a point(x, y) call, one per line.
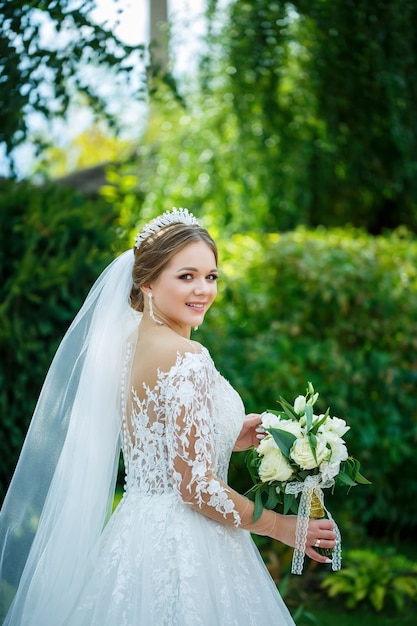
point(199, 306)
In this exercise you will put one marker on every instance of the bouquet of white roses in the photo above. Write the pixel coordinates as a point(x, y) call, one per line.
point(301, 454)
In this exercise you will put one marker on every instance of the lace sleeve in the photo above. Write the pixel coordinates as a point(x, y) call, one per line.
point(191, 443)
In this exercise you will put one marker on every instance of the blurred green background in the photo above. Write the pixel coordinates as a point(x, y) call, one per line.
point(295, 143)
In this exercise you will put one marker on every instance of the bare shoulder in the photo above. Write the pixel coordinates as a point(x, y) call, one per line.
point(167, 347)
point(159, 353)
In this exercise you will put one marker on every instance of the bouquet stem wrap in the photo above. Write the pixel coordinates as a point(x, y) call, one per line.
point(311, 485)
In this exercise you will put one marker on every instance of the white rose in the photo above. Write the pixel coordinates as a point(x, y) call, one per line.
point(302, 453)
point(337, 445)
point(335, 425)
point(267, 444)
point(274, 466)
point(291, 426)
point(269, 420)
point(339, 450)
point(329, 470)
point(299, 405)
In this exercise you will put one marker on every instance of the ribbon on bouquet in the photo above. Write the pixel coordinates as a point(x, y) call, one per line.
point(312, 484)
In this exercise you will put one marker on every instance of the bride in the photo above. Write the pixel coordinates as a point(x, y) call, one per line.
point(177, 551)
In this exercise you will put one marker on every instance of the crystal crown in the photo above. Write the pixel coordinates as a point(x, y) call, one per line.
point(182, 216)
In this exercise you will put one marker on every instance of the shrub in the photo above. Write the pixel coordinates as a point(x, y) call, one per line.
point(336, 307)
point(53, 244)
point(374, 578)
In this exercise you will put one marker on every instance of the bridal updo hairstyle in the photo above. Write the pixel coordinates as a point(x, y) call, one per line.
point(157, 250)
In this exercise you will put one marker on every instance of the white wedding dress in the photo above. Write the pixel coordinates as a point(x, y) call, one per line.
point(167, 557)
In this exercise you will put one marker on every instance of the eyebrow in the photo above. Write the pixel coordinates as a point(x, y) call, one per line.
point(194, 269)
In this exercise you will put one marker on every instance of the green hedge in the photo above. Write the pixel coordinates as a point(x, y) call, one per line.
point(337, 308)
point(53, 244)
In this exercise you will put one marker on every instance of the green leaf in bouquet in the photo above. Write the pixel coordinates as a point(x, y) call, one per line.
point(288, 409)
point(351, 468)
point(357, 476)
point(312, 439)
point(273, 499)
point(345, 479)
point(309, 417)
point(360, 478)
point(320, 422)
point(283, 439)
point(259, 507)
point(281, 414)
point(250, 494)
point(252, 461)
point(290, 503)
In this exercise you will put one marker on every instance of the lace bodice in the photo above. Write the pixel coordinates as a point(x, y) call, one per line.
point(179, 435)
point(158, 563)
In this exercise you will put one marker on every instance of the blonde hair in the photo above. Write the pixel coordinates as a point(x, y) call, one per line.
point(154, 254)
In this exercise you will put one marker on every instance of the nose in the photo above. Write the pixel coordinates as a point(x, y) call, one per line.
point(201, 287)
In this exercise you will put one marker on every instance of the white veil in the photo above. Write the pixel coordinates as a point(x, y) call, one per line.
point(62, 490)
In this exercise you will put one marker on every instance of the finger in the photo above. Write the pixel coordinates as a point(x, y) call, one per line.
point(325, 524)
point(254, 416)
point(327, 540)
point(323, 535)
point(260, 433)
point(320, 529)
point(315, 556)
point(323, 542)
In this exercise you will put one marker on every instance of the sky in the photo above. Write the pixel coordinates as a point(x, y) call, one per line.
point(134, 20)
point(134, 23)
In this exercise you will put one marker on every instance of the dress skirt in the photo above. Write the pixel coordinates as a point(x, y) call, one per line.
point(160, 563)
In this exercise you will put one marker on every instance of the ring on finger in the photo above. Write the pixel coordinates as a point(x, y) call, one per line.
point(317, 544)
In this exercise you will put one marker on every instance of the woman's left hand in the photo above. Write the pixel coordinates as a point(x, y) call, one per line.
point(251, 433)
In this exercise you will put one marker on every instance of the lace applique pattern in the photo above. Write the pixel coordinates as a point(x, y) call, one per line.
point(180, 435)
point(158, 560)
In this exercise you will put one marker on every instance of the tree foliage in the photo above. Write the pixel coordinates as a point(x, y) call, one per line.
point(327, 91)
point(305, 115)
point(362, 64)
point(47, 51)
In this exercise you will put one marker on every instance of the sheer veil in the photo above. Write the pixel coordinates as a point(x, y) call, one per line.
point(61, 494)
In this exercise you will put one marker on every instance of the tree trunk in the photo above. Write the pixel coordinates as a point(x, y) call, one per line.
point(159, 34)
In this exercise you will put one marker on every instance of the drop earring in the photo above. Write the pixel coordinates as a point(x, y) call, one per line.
point(151, 314)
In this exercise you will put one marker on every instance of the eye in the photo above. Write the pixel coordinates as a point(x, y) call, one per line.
point(213, 277)
point(185, 277)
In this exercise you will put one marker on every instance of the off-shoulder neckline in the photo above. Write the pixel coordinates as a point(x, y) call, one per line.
point(181, 358)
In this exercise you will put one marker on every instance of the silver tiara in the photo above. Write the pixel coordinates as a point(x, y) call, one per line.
point(176, 216)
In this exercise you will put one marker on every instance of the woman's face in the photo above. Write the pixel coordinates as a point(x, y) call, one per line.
point(186, 288)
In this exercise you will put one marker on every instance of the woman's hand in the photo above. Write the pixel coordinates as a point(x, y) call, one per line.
point(319, 530)
point(251, 433)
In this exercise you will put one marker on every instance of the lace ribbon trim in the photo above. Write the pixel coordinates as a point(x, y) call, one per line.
point(312, 484)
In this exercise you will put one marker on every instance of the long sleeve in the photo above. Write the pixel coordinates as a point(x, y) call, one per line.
point(191, 443)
